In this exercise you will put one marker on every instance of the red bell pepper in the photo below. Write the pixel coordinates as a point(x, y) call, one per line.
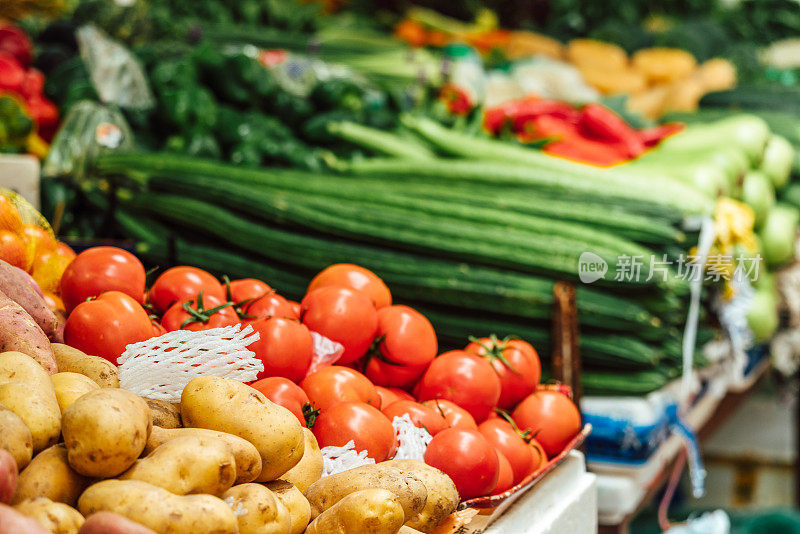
point(456, 99)
point(45, 114)
point(517, 113)
point(14, 42)
point(568, 142)
point(602, 124)
point(652, 136)
point(33, 84)
point(12, 73)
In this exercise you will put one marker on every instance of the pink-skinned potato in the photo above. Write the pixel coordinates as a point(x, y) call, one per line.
point(8, 476)
point(13, 522)
point(19, 332)
point(22, 289)
point(111, 523)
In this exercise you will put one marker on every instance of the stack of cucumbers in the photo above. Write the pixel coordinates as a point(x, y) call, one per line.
point(472, 231)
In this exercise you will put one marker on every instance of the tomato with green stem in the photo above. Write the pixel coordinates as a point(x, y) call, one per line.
point(404, 337)
point(361, 423)
point(208, 312)
point(269, 305)
point(552, 418)
point(183, 284)
point(463, 378)
point(504, 437)
point(516, 364)
point(389, 375)
point(455, 415)
point(286, 393)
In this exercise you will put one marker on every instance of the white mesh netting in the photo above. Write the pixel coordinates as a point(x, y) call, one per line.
point(326, 352)
point(160, 367)
point(412, 440)
point(338, 459)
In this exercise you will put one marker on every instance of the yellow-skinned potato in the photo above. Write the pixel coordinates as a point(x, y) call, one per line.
point(188, 464)
point(165, 414)
point(597, 55)
point(248, 461)
point(258, 510)
point(15, 437)
point(369, 511)
point(309, 470)
point(158, 509)
point(70, 387)
point(295, 502)
point(409, 490)
point(26, 390)
point(105, 431)
point(664, 65)
point(236, 408)
point(57, 517)
point(443, 496)
point(72, 360)
point(49, 475)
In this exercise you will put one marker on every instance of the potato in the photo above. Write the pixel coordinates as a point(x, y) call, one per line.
point(57, 517)
point(405, 529)
point(111, 523)
point(295, 502)
point(15, 437)
point(230, 406)
point(105, 431)
point(165, 414)
point(248, 461)
point(309, 470)
point(26, 390)
point(664, 65)
point(158, 509)
point(8, 476)
point(258, 510)
point(443, 497)
point(72, 360)
point(369, 511)
point(328, 491)
point(70, 387)
point(13, 522)
point(19, 332)
point(49, 475)
point(187, 464)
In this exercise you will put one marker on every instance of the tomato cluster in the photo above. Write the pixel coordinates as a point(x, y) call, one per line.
point(388, 368)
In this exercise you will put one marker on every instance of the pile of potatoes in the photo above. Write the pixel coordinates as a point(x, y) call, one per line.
point(80, 455)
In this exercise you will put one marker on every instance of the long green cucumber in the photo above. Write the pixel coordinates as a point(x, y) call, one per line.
point(378, 141)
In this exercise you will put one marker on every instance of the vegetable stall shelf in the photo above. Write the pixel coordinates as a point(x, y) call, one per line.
point(624, 492)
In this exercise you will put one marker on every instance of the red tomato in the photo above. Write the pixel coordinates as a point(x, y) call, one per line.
point(455, 415)
point(389, 375)
point(100, 269)
point(421, 416)
point(209, 312)
point(270, 305)
point(467, 458)
point(389, 395)
point(354, 277)
point(334, 384)
point(106, 325)
point(365, 425)
point(402, 394)
point(343, 315)
point(248, 289)
point(286, 393)
point(297, 311)
point(285, 347)
point(158, 330)
point(505, 475)
point(182, 284)
point(519, 373)
point(539, 456)
point(466, 379)
point(551, 417)
point(505, 439)
point(406, 336)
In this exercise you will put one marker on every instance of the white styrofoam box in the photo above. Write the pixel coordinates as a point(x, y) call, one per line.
point(565, 500)
point(20, 173)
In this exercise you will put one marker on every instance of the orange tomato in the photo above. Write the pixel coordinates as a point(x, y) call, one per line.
point(49, 266)
point(10, 219)
point(12, 249)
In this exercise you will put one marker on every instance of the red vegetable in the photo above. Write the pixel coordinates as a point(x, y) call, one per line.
point(422, 416)
point(12, 73)
point(516, 363)
point(365, 425)
point(101, 269)
point(14, 42)
point(551, 417)
point(467, 458)
point(286, 393)
point(518, 113)
point(654, 135)
point(602, 124)
point(285, 347)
